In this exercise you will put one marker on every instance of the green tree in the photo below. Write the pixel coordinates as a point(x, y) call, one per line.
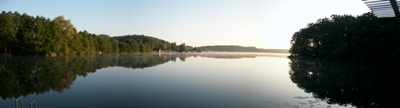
point(143, 48)
point(133, 45)
point(162, 46)
point(87, 41)
point(76, 45)
point(183, 47)
point(66, 26)
point(173, 46)
point(56, 43)
point(125, 47)
point(41, 34)
point(362, 39)
point(17, 21)
point(115, 46)
point(104, 44)
point(26, 35)
point(7, 30)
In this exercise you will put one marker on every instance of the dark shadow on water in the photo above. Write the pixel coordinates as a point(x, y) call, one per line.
point(348, 84)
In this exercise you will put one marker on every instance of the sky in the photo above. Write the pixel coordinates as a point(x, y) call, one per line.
point(261, 23)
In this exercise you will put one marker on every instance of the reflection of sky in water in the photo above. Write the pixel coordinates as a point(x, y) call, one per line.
point(201, 82)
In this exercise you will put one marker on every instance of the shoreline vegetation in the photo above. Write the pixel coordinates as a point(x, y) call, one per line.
point(363, 39)
point(348, 60)
point(22, 34)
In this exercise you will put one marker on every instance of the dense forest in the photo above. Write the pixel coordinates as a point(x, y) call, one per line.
point(135, 43)
point(234, 48)
point(348, 60)
point(22, 34)
point(362, 39)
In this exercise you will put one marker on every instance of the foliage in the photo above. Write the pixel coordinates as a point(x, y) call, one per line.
point(362, 39)
point(28, 35)
point(144, 43)
point(183, 48)
point(7, 31)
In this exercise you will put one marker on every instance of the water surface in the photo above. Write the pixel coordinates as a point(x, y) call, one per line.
point(196, 80)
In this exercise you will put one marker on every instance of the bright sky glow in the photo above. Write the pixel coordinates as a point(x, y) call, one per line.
point(259, 23)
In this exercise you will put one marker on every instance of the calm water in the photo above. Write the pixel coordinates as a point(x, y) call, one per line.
point(207, 80)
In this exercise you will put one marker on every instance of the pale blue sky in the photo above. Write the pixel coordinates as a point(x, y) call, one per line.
point(259, 23)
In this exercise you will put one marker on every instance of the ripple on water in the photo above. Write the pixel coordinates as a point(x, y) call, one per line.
point(282, 104)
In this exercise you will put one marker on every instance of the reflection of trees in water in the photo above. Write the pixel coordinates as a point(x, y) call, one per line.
point(346, 83)
point(22, 76)
point(29, 75)
point(235, 55)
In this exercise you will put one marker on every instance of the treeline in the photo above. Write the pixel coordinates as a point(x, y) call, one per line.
point(362, 39)
point(22, 34)
point(141, 43)
point(235, 48)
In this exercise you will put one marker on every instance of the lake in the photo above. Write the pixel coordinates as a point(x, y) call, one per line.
point(186, 80)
